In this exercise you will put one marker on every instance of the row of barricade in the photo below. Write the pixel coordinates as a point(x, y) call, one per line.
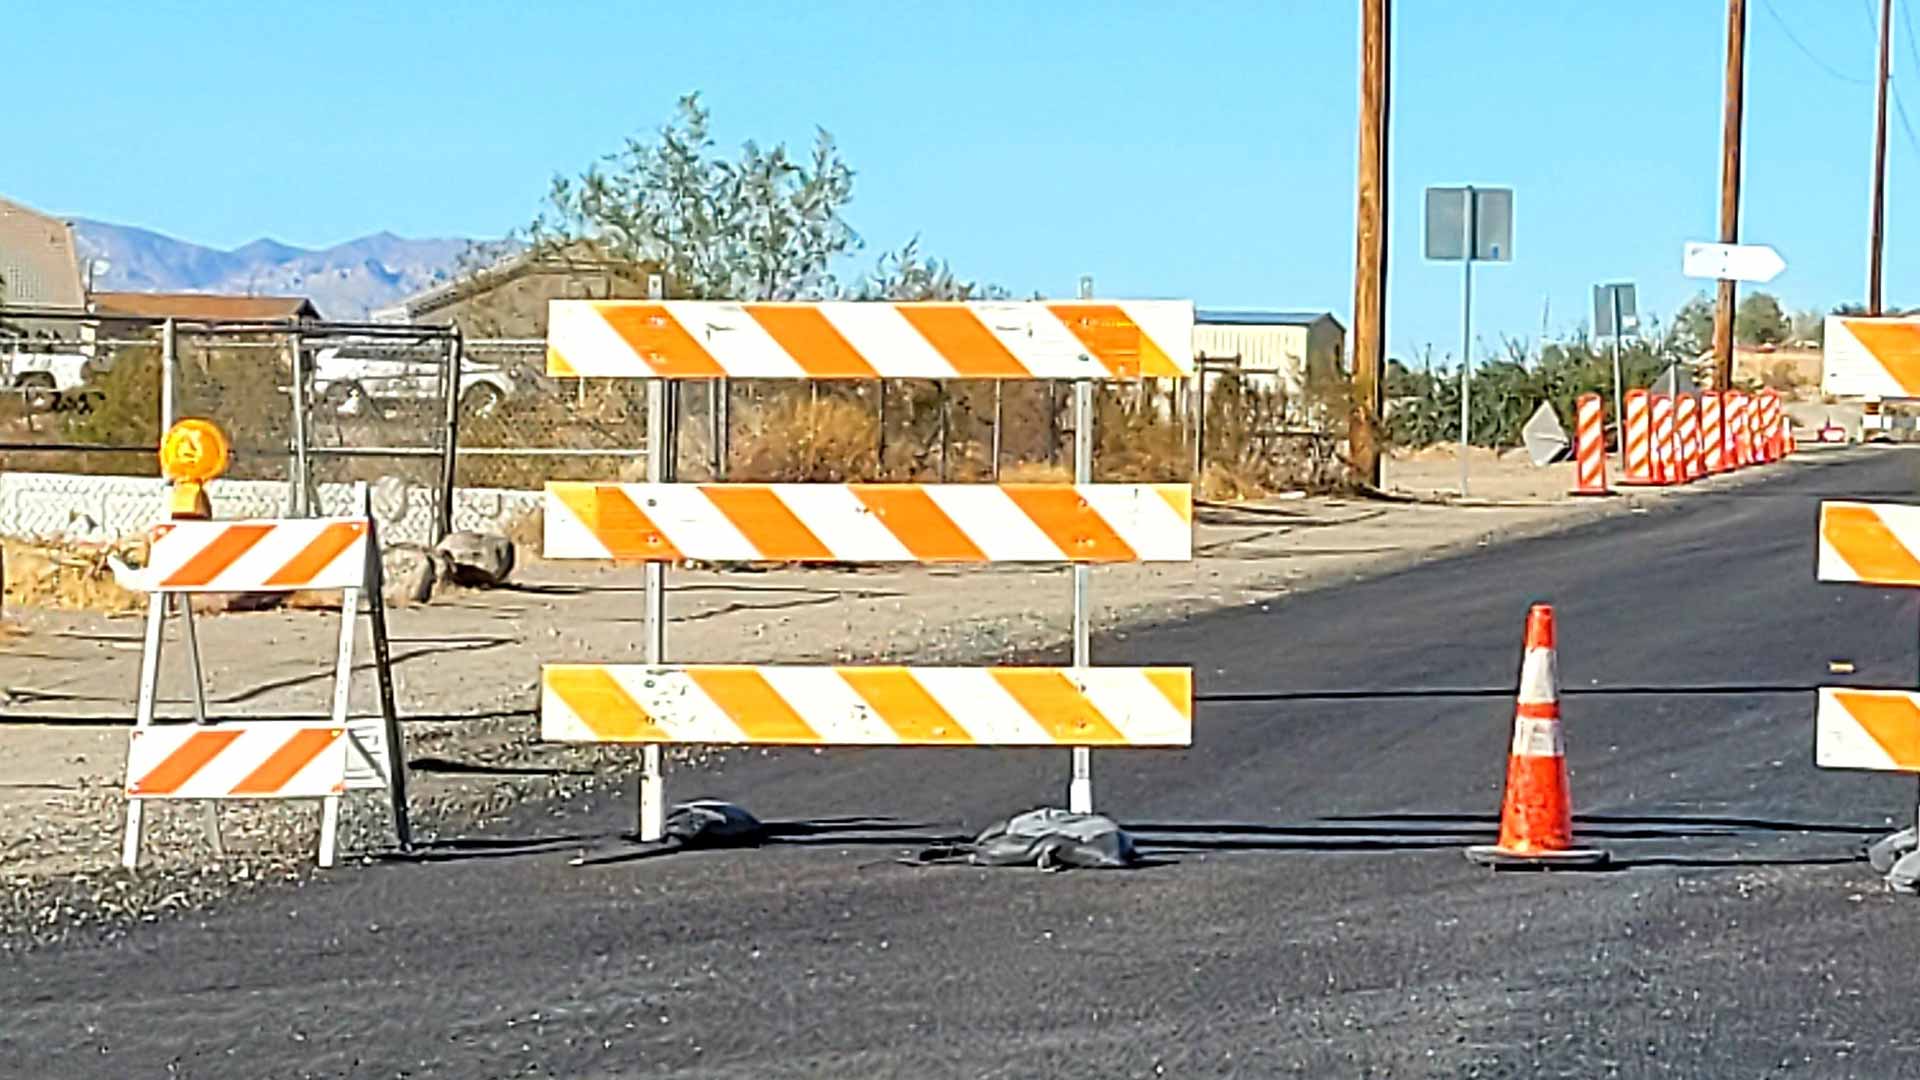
point(1679, 438)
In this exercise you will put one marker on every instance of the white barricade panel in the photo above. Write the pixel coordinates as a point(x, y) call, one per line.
point(247, 760)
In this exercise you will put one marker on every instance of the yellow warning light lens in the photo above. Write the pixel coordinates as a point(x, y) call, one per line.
point(194, 452)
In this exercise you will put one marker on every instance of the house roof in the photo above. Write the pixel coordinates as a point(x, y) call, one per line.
point(203, 306)
point(1221, 317)
point(579, 257)
point(38, 264)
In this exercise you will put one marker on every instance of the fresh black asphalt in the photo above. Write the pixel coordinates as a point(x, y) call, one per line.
point(1309, 912)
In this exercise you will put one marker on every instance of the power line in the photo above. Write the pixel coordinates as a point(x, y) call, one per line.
point(1900, 110)
point(1906, 20)
point(1808, 53)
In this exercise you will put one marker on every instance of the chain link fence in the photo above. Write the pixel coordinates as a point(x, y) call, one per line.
point(419, 411)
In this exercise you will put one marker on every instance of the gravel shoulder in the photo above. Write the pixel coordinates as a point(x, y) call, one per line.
point(467, 669)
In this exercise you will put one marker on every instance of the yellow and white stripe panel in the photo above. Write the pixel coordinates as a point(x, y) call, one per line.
point(703, 339)
point(1872, 358)
point(866, 706)
point(1868, 729)
point(249, 760)
point(922, 523)
point(1874, 543)
point(268, 555)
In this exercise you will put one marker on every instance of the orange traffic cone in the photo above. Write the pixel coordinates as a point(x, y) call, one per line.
point(1536, 817)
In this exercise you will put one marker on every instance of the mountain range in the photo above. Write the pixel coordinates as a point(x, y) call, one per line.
point(345, 281)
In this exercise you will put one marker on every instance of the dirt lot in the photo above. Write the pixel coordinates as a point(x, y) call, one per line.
point(467, 668)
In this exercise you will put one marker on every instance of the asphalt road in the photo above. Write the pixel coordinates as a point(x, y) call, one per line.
point(1311, 913)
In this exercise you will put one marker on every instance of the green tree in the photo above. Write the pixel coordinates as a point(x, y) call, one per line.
point(1759, 320)
point(1692, 332)
point(764, 225)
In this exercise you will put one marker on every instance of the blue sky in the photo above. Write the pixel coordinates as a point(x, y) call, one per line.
point(1201, 150)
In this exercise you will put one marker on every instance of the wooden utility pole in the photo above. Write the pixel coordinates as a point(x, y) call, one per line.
point(1876, 239)
point(1370, 250)
point(1730, 186)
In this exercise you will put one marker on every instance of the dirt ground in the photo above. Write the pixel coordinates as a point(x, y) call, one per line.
point(467, 665)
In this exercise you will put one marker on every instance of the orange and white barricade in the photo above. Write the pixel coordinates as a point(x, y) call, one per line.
point(660, 522)
point(1636, 439)
point(258, 757)
point(1686, 408)
point(1770, 444)
point(1590, 446)
point(1739, 440)
point(1713, 444)
point(1666, 457)
point(1855, 727)
point(1873, 358)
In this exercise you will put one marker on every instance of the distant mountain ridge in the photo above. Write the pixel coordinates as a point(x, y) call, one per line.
point(345, 281)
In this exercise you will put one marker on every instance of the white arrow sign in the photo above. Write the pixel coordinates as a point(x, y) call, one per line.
point(1733, 262)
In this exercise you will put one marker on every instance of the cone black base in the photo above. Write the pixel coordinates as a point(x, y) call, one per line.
point(1571, 859)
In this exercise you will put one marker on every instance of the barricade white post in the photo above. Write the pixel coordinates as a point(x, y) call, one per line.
point(1080, 786)
point(653, 782)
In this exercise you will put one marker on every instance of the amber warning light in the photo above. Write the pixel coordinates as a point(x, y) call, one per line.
point(193, 453)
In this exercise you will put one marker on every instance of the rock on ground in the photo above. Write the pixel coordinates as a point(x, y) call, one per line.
point(476, 560)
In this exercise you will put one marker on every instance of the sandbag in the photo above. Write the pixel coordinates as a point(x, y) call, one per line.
point(1055, 839)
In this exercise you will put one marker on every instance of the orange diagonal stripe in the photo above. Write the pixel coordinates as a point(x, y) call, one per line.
point(904, 705)
point(959, 336)
point(223, 552)
point(616, 521)
point(762, 715)
point(1178, 496)
point(659, 341)
point(1111, 336)
point(1058, 706)
point(767, 522)
point(1176, 685)
point(178, 767)
point(318, 554)
point(1891, 719)
point(813, 341)
point(918, 523)
point(558, 366)
point(1866, 545)
point(601, 703)
point(1060, 512)
point(286, 762)
point(1896, 345)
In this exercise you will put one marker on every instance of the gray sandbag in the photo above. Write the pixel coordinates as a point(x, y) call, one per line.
point(1904, 877)
point(1055, 839)
point(713, 823)
point(1887, 850)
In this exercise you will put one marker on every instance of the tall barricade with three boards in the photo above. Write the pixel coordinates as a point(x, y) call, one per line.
point(660, 522)
point(1856, 727)
point(256, 757)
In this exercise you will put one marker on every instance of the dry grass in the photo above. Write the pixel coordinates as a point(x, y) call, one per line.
point(69, 576)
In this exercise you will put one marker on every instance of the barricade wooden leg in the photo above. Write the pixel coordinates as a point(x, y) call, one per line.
point(143, 714)
point(653, 795)
point(329, 828)
point(130, 845)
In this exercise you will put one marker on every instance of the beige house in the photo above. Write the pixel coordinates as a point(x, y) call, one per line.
point(39, 267)
point(1283, 351)
point(509, 298)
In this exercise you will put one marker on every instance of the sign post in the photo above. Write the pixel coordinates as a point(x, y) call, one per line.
point(1471, 225)
point(1613, 312)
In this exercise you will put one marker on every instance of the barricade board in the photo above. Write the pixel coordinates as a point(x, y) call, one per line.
point(867, 706)
point(697, 339)
point(935, 523)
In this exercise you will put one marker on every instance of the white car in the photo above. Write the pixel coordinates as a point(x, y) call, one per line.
point(347, 378)
point(42, 378)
